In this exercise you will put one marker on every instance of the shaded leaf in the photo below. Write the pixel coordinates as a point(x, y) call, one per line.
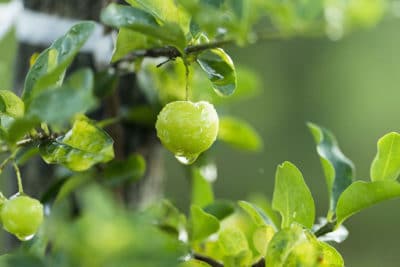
point(386, 164)
point(49, 68)
point(129, 40)
point(338, 169)
point(74, 96)
point(202, 192)
point(202, 224)
point(80, 148)
point(239, 134)
point(131, 169)
point(220, 70)
point(167, 217)
point(361, 195)
point(220, 209)
point(292, 198)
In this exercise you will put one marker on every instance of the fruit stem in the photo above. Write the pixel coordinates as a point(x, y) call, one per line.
point(19, 179)
point(187, 72)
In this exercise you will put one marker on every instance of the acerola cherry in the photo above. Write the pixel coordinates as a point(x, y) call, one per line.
point(187, 129)
point(22, 215)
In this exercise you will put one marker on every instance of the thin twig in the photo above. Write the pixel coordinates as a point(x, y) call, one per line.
point(19, 179)
point(211, 262)
point(326, 228)
point(171, 52)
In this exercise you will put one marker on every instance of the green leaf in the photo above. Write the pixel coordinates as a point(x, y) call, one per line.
point(386, 165)
point(129, 40)
point(338, 169)
point(256, 214)
point(11, 105)
point(262, 236)
point(167, 217)
point(330, 257)
point(361, 195)
point(220, 70)
point(239, 134)
point(262, 202)
point(202, 224)
point(232, 241)
point(75, 96)
point(80, 148)
point(292, 198)
point(165, 10)
point(194, 263)
point(220, 209)
point(121, 16)
point(282, 244)
point(49, 68)
point(202, 192)
point(18, 128)
point(131, 169)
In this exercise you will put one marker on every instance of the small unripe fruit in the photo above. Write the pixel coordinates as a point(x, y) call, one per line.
point(187, 129)
point(22, 216)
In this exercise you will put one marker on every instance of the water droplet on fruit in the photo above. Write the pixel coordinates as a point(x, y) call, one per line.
point(186, 159)
point(25, 237)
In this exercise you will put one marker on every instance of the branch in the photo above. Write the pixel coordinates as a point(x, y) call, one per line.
point(214, 263)
point(326, 228)
point(172, 52)
point(211, 262)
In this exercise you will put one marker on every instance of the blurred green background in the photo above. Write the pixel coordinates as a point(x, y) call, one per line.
point(350, 86)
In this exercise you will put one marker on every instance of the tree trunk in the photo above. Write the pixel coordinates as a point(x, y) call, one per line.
point(128, 138)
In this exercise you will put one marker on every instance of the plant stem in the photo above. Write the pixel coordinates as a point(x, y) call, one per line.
point(211, 262)
point(19, 179)
point(326, 228)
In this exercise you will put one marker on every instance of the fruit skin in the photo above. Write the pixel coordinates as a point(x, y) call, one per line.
point(22, 215)
point(187, 128)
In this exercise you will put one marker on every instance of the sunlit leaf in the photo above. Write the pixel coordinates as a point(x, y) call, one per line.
point(361, 195)
point(330, 257)
point(165, 10)
point(80, 148)
point(11, 105)
point(49, 68)
point(232, 241)
point(282, 245)
point(386, 165)
point(256, 214)
point(220, 70)
point(121, 16)
point(194, 263)
point(338, 169)
point(239, 134)
point(261, 238)
point(292, 198)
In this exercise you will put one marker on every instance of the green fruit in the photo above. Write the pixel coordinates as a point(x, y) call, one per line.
point(187, 129)
point(22, 216)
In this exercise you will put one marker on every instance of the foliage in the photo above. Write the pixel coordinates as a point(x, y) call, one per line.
point(86, 224)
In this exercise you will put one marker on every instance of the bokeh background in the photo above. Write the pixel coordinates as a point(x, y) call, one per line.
point(351, 86)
